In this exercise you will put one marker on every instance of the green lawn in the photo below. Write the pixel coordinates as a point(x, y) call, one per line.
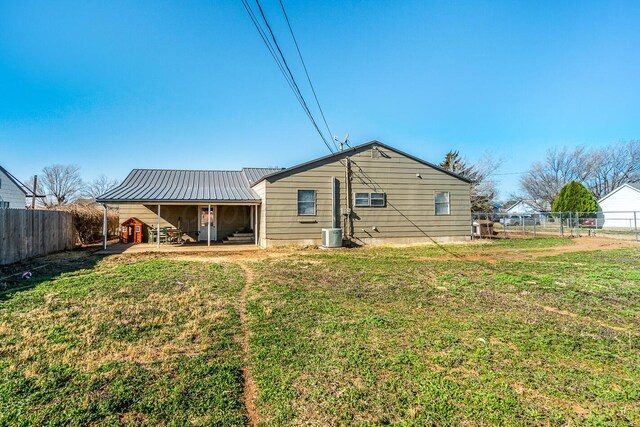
point(377, 335)
point(383, 338)
point(149, 342)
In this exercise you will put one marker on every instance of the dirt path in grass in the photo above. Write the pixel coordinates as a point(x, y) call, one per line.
point(250, 391)
point(493, 255)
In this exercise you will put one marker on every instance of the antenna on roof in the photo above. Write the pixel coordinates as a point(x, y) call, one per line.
point(345, 141)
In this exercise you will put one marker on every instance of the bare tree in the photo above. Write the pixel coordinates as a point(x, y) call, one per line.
point(545, 179)
point(614, 165)
point(99, 186)
point(60, 184)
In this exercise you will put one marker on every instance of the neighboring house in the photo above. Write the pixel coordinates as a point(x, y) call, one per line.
point(13, 193)
point(524, 207)
point(616, 209)
point(373, 192)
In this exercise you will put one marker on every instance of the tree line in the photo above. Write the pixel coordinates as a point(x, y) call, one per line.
point(59, 185)
point(600, 170)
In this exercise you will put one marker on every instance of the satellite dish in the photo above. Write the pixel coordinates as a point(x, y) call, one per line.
point(345, 141)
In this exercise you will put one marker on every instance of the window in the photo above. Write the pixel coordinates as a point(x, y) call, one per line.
point(306, 202)
point(376, 200)
point(442, 203)
point(362, 199)
point(4, 205)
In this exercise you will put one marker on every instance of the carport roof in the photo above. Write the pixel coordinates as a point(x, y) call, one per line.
point(169, 185)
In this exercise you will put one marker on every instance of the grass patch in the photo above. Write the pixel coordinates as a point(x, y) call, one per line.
point(376, 337)
point(140, 342)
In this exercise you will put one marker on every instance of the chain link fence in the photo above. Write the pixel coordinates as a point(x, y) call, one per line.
point(614, 224)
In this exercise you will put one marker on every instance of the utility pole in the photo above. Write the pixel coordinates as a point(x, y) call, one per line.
point(347, 178)
point(33, 194)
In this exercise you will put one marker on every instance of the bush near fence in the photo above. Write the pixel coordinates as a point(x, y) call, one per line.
point(87, 220)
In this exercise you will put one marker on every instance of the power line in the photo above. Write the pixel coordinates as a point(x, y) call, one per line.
point(281, 61)
point(297, 88)
point(313, 90)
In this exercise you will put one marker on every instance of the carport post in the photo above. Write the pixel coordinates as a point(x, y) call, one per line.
point(158, 229)
point(104, 228)
point(256, 225)
point(209, 226)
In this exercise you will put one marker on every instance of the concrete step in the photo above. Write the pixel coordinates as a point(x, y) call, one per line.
point(240, 238)
point(242, 234)
point(238, 242)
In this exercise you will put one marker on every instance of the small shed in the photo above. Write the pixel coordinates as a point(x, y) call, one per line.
point(132, 231)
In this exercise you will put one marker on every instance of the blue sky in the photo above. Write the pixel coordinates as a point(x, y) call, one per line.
point(115, 85)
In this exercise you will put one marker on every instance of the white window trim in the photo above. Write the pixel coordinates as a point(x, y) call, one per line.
point(384, 200)
point(355, 200)
point(315, 202)
point(369, 204)
point(435, 203)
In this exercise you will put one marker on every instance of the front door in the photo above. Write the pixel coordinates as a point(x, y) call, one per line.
point(207, 222)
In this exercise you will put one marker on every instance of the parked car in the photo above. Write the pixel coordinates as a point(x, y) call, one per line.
point(520, 220)
point(590, 222)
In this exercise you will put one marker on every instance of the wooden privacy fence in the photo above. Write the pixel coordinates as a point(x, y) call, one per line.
point(29, 233)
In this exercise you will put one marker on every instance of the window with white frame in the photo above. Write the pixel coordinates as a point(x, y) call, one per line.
point(375, 200)
point(4, 205)
point(306, 202)
point(442, 203)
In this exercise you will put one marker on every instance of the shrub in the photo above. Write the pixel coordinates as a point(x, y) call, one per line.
point(87, 221)
point(574, 197)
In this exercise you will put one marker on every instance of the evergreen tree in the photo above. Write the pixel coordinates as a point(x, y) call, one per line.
point(574, 197)
point(482, 188)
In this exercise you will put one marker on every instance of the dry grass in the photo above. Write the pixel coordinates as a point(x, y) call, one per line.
point(127, 341)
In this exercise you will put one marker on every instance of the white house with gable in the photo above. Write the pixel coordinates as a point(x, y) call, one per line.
point(12, 192)
point(616, 209)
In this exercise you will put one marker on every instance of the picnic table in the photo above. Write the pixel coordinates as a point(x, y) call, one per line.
point(167, 235)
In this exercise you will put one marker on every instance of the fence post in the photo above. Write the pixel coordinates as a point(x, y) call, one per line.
point(561, 226)
point(577, 224)
point(504, 227)
point(534, 226)
point(635, 223)
point(472, 228)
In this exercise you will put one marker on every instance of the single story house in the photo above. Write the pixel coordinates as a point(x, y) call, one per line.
point(13, 193)
point(373, 193)
point(524, 207)
point(616, 209)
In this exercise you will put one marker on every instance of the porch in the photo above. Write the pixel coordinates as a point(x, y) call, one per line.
point(203, 224)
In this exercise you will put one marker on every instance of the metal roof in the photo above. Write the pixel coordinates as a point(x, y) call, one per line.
point(255, 174)
point(167, 185)
point(351, 150)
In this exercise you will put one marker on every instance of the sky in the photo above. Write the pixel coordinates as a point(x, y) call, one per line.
point(112, 86)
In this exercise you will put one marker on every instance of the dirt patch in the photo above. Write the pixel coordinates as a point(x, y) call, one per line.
point(578, 316)
point(494, 255)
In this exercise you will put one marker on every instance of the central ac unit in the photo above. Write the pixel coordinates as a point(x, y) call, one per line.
point(332, 237)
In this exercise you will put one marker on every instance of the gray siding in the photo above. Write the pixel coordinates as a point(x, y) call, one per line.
point(11, 193)
point(409, 213)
